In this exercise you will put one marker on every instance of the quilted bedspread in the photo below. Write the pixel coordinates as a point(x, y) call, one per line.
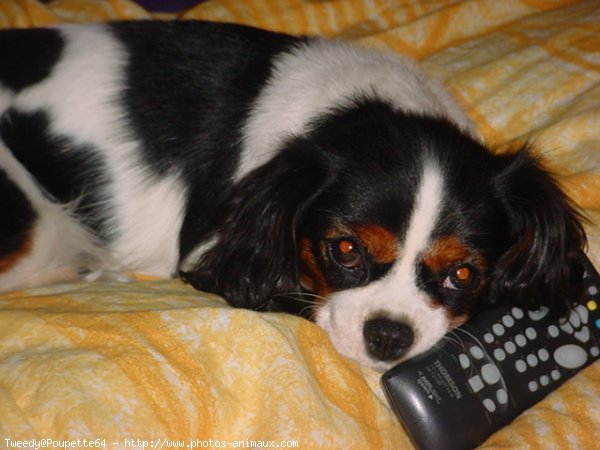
point(153, 363)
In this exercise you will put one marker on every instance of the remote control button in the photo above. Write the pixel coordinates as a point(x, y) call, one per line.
point(490, 373)
point(583, 335)
point(538, 314)
point(476, 352)
point(532, 360)
point(510, 347)
point(583, 313)
point(499, 354)
point(570, 356)
point(520, 340)
point(488, 338)
point(464, 361)
point(592, 305)
point(555, 375)
point(531, 333)
point(502, 396)
point(566, 327)
point(592, 290)
point(489, 405)
point(574, 319)
point(553, 331)
point(543, 355)
point(498, 329)
point(544, 380)
point(521, 366)
point(508, 321)
point(476, 383)
point(595, 352)
point(533, 386)
point(517, 313)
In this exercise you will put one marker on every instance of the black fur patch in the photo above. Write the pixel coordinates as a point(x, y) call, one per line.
point(28, 56)
point(18, 216)
point(190, 86)
point(67, 172)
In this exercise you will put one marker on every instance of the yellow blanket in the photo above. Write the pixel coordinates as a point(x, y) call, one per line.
point(157, 364)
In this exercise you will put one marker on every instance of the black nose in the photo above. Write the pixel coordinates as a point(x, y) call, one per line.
point(387, 339)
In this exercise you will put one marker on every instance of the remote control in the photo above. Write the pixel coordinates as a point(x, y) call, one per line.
point(485, 373)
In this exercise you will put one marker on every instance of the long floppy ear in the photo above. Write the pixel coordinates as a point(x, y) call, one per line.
point(255, 257)
point(544, 261)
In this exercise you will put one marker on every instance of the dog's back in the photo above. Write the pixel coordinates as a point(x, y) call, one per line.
point(110, 133)
point(128, 137)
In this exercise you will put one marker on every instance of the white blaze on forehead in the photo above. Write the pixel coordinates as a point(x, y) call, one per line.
point(397, 295)
point(423, 219)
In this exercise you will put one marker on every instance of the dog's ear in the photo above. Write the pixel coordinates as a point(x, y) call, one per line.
point(543, 262)
point(255, 258)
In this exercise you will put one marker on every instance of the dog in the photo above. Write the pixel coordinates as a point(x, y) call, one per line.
point(290, 174)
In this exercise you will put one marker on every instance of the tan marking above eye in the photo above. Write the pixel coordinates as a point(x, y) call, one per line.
point(448, 251)
point(378, 241)
point(381, 243)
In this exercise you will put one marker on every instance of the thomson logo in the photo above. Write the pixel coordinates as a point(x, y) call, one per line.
point(452, 387)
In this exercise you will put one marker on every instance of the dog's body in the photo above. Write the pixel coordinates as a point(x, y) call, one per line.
point(270, 169)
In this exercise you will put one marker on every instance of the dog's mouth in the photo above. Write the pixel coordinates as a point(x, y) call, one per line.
point(379, 340)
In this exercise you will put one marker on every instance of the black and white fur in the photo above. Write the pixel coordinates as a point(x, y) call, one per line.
point(287, 174)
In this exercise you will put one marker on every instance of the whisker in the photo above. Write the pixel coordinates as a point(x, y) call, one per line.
point(309, 310)
point(308, 294)
point(298, 296)
point(298, 299)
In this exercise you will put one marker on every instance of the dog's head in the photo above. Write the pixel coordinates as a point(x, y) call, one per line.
point(388, 229)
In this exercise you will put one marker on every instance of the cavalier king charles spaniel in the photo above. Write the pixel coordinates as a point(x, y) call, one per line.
point(289, 174)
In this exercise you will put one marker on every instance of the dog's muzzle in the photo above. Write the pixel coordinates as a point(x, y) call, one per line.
point(386, 339)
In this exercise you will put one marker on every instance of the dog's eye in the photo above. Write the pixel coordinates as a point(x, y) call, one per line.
point(347, 252)
point(461, 277)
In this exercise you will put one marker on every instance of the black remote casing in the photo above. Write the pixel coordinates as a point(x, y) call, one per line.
point(485, 373)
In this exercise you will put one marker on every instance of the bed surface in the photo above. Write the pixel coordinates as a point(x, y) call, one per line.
point(155, 360)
